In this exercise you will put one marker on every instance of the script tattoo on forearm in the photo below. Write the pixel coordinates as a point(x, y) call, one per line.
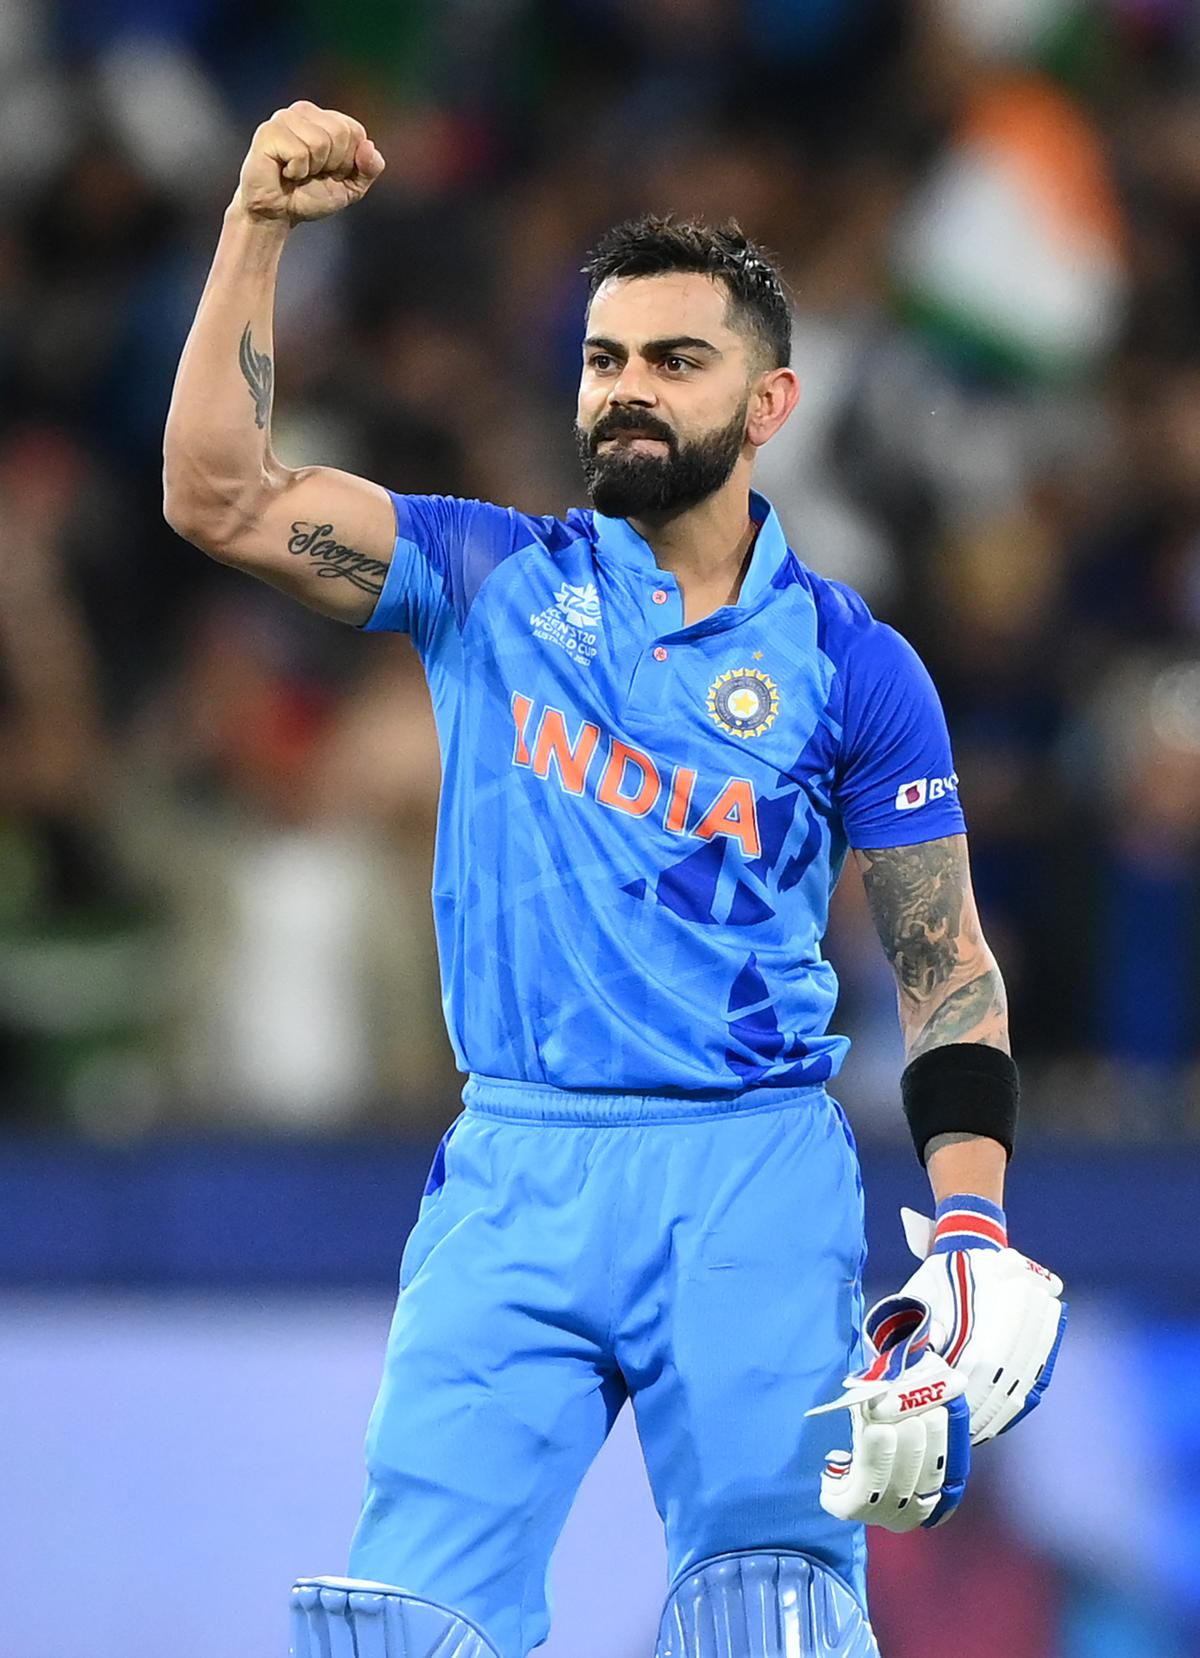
point(336, 561)
point(916, 898)
point(259, 374)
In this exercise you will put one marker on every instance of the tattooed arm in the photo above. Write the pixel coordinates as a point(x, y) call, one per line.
point(948, 984)
point(947, 981)
point(323, 536)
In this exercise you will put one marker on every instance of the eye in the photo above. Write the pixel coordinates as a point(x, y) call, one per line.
point(601, 361)
point(677, 365)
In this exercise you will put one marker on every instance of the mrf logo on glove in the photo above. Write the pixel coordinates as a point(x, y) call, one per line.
point(933, 1394)
point(909, 1424)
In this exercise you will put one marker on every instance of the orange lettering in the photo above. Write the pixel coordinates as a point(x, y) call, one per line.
point(522, 708)
point(553, 744)
point(733, 813)
point(682, 784)
point(609, 792)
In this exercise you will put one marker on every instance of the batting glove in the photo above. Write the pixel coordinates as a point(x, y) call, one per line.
point(911, 1443)
point(997, 1317)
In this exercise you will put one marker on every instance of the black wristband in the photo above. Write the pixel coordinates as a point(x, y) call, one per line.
point(964, 1088)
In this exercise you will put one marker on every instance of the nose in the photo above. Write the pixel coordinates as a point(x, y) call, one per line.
point(633, 386)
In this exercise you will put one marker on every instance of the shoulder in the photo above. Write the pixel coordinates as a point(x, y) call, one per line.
point(848, 632)
point(415, 513)
point(466, 539)
point(462, 543)
point(879, 684)
point(555, 534)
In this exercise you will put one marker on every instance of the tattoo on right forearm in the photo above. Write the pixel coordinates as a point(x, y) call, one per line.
point(259, 374)
point(334, 559)
point(976, 1012)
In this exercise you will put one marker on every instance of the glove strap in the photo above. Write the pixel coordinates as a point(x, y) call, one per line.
point(965, 1221)
point(897, 1332)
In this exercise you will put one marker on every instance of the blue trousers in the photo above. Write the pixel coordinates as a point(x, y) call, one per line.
point(573, 1251)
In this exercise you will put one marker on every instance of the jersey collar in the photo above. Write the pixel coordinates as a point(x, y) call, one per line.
point(616, 539)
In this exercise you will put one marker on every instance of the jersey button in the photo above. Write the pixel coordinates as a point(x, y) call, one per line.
point(660, 653)
point(659, 596)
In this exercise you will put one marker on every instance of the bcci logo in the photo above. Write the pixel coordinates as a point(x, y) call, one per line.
point(743, 701)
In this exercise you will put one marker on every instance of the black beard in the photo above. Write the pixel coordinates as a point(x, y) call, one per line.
point(624, 484)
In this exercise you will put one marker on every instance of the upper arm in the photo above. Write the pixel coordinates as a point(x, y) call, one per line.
point(359, 553)
point(924, 910)
point(897, 792)
point(895, 780)
point(319, 535)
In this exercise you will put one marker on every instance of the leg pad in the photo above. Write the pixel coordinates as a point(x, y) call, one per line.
point(763, 1605)
point(346, 1617)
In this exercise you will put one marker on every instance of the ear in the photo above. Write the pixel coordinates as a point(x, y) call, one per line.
point(772, 399)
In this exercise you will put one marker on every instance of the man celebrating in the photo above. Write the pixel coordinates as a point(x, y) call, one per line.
point(660, 734)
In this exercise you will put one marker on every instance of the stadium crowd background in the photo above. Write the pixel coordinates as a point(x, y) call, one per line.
point(216, 810)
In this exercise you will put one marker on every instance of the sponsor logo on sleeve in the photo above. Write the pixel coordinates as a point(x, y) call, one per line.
point(923, 790)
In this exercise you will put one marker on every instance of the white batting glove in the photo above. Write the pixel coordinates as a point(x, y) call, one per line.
point(911, 1446)
point(997, 1316)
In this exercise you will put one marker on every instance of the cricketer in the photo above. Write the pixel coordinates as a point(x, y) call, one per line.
point(661, 734)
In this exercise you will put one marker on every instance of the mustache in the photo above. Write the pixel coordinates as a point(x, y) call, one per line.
point(617, 421)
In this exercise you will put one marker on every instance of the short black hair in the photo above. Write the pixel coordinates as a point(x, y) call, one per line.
point(657, 244)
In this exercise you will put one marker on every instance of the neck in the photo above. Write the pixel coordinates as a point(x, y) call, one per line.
point(707, 545)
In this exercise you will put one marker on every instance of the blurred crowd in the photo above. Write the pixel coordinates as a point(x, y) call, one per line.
point(216, 810)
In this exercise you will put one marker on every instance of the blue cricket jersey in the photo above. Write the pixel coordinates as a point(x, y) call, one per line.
point(641, 823)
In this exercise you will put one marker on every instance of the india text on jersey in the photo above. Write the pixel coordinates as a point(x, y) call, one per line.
point(630, 780)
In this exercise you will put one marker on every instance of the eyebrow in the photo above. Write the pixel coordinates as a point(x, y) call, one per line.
point(654, 348)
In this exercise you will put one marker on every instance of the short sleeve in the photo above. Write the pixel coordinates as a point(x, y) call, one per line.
point(895, 783)
point(445, 550)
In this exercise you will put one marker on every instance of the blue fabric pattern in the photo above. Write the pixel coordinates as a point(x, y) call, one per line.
point(580, 1251)
point(642, 821)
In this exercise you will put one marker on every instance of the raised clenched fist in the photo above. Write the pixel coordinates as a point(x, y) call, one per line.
point(305, 163)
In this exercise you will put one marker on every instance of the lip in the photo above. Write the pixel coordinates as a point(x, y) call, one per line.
point(625, 439)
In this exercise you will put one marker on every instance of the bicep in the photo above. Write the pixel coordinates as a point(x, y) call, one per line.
point(923, 908)
point(321, 536)
point(949, 986)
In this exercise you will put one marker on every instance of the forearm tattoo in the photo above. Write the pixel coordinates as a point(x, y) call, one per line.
point(335, 561)
point(259, 374)
point(975, 1012)
point(918, 896)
